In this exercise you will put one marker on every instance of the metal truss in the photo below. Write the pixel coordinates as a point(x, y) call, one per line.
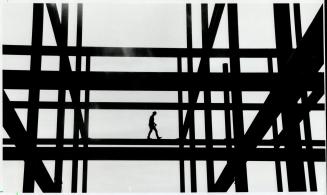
point(297, 73)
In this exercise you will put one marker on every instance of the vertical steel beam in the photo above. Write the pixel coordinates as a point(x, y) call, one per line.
point(34, 94)
point(61, 97)
point(240, 171)
point(191, 95)
point(275, 136)
point(77, 122)
point(228, 130)
point(207, 94)
point(180, 123)
point(86, 123)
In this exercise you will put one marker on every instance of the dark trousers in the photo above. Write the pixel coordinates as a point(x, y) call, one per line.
point(155, 130)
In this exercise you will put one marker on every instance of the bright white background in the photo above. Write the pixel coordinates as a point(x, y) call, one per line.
point(146, 25)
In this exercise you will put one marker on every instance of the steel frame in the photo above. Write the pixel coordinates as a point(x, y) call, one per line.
point(297, 73)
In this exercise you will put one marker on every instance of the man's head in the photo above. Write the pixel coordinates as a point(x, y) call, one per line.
point(154, 113)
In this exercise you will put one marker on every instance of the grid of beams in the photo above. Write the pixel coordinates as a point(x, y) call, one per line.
point(297, 73)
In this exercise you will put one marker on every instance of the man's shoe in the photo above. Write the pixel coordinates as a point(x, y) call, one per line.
point(159, 137)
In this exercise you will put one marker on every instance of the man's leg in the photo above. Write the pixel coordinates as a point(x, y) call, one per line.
point(155, 130)
point(150, 132)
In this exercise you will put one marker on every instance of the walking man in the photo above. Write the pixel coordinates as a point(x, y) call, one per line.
point(152, 125)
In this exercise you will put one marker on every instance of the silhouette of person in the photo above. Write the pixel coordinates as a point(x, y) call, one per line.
point(152, 125)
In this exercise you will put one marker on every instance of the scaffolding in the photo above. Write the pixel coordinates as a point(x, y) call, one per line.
point(298, 73)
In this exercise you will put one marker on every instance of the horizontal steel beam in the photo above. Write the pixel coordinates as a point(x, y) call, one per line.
point(156, 153)
point(168, 142)
point(138, 51)
point(153, 81)
point(158, 106)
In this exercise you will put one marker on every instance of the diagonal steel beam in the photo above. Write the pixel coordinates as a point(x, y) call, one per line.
point(295, 168)
point(59, 30)
point(61, 92)
point(307, 59)
point(306, 120)
point(212, 31)
point(23, 140)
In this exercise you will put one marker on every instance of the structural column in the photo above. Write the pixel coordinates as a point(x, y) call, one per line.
point(34, 94)
point(78, 122)
point(207, 95)
point(191, 96)
point(240, 170)
point(180, 127)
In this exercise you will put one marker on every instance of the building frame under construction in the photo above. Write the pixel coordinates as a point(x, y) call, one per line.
point(297, 73)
